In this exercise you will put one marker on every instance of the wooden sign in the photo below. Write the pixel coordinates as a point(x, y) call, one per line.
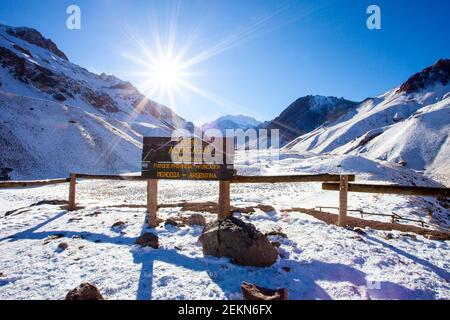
point(187, 159)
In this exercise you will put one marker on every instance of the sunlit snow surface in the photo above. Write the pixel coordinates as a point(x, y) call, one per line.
point(326, 262)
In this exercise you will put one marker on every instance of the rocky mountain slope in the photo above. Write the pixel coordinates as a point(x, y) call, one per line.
point(59, 116)
point(306, 114)
point(409, 125)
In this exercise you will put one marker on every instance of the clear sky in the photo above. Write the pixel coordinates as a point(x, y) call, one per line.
point(246, 56)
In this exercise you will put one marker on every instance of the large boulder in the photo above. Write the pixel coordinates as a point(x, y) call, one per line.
point(84, 291)
point(239, 241)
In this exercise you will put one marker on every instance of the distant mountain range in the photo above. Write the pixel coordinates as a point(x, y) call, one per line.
point(409, 125)
point(57, 117)
point(232, 122)
point(306, 114)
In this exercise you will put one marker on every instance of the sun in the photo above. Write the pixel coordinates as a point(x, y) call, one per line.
point(166, 73)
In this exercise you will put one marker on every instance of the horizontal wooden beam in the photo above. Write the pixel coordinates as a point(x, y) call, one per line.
point(109, 177)
point(289, 178)
point(34, 183)
point(387, 189)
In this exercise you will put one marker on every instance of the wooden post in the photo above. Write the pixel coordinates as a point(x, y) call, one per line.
point(152, 203)
point(343, 193)
point(224, 200)
point(72, 190)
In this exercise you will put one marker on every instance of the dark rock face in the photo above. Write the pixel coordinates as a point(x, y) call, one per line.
point(239, 241)
point(85, 291)
point(148, 240)
point(253, 292)
point(306, 114)
point(5, 174)
point(100, 100)
point(437, 73)
point(35, 37)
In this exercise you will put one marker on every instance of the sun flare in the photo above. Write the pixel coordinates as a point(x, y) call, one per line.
point(166, 73)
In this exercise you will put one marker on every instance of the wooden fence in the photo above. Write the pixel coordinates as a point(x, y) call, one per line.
point(341, 183)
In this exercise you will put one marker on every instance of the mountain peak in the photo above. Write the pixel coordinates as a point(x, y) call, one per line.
point(437, 73)
point(232, 122)
point(33, 36)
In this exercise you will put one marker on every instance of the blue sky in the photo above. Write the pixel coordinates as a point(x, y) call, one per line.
point(257, 56)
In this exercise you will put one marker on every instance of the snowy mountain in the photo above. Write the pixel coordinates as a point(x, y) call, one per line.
point(409, 125)
point(306, 114)
point(231, 122)
point(57, 117)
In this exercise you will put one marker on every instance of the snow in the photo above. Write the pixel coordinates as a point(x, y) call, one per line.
point(37, 138)
point(393, 127)
point(326, 262)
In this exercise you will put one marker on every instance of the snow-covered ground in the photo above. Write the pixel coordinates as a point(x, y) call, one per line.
point(317, 261)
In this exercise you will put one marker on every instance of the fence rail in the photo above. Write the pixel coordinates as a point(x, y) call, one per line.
point(389, 189)
point(331, 183)
point(34, 183)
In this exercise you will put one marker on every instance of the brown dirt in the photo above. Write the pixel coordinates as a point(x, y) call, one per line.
point(330, 218)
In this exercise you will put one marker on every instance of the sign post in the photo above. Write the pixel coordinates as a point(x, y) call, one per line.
point(187, 159)
point(152, 203)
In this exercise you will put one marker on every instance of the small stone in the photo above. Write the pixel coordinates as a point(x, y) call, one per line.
point(409, 235)
point(2, 275)
point(171, 222)
point(287, 269)
point(63, 246)
point(389, 236)
point(359, 231)
point(75, 219)
point(148, 240)
point(84, 291)
point(118, 225)
point(253, 292)
point(277, 232)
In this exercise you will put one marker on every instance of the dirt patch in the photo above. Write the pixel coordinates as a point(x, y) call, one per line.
point(208, 206)
point(40, 203)
point(331, 218)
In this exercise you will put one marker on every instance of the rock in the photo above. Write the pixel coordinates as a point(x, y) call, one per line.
point(171, 222)
point(409, 235)
point(277, 233)
point(2, 275)
point(287, 269)
point(238, 241)
point(118, 225)
point(63, 246)
point(148, 240)
point(388, 236)
point(253, 292)
point(196, 219)
point(359, 231)
point(84, 291)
